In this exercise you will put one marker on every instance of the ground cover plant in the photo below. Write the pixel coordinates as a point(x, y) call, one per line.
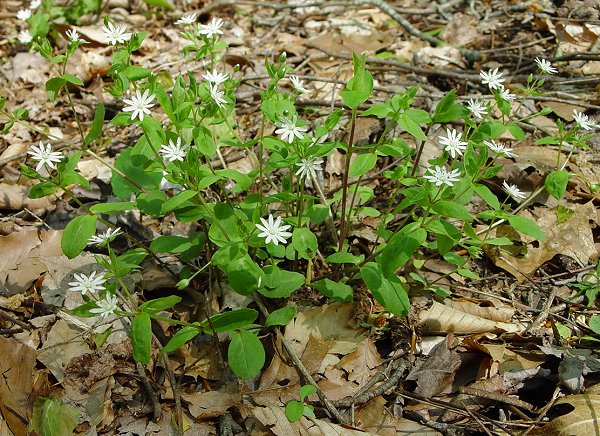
point(288, 287)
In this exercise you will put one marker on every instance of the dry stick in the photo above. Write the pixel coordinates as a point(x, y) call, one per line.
point(156, 409)
point(487, 432)
point(544, 312)
point(173, 381)
point(496, 397)
point(300, 366)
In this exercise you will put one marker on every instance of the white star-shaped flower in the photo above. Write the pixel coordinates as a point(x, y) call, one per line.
point(73, 36)
point(87, 284)
point(584, 121)
point(441, 176)
point(25, 37)
point(545, 66)
point(114, 34)
point(512, 190)
point(24, 14)
point(139, 104)
point(298, 84)
point(35, 4)
point(217, 95)
point(45, 156)
point(452, 143)
point(211, 29)
point(309, 166)
point(499, 148)
point(106, 307)
point(187, 19)
point(493, 79)
point(174, 151)
point(505, 94)
point(215, 77)
point(477, 109)
point(289, 130)
point(273, 230)
point(105, 238)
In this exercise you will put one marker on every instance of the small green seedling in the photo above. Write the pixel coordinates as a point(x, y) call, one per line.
point(294, 410)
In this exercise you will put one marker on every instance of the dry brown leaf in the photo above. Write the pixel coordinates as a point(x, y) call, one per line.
point(496, 311)
point(573, 238)
point(213, 403)
point(361, 363)
point(15, 197)
point(440, 318)
point(581, 420)
point(16, 366)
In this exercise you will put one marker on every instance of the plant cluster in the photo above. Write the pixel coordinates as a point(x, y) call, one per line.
point(268, 232)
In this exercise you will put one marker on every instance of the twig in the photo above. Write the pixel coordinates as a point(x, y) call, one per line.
point(156, 409)
point(544, 312)
point(496, 397)
point(300, 366)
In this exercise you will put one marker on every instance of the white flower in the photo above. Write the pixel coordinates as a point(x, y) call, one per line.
point(106, 307)
point(453, 143)
point(492, 78)
point(45, 155)
point(24, 14)
point(187, 19)
point(35, 4)
point(288, 129)
point(174, 151)
point(217, 95)
point(505, 94)
point(273, 230)
point(309, 166)
point(477, 109)
point(584, 121)
point(512, 190)
point(139, 104)
point(545, 66)
point(441, 176)
point(73, 36)
point(114, 34)
point(87, 284)
point(499, 148)
point(211, 29)
point(215, 77)
point(105, 238)
point(25, 37)
point(298, 84)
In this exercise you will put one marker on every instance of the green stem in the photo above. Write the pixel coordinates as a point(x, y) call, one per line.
point(343, 223)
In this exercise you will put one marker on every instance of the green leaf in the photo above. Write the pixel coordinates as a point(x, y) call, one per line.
point(160, 3)
point(345, 257)
point(72, 79)
point(130, 260)
point(280, 283)
point(294, 410)
point(42, 189)
point(76, 235)
point(118, 206)
point(83, 311)
point(516, 131)
point(244, 275)
point(246, 355)
point(594, 324)
point(526, 226)
point(358, 89)
point(151, 203)
point(411, 127)
point(141, 338)
point(401, 247)
point(158, 304)
point(227, 321)
point(304, 242)
point(177, 200)
point(487, 196)
point(447, 110)
point(171, 244)
point(362, 164)
point(53, 87)
point(97, 125)
point(306, 391)
point(135, 73)
point(280, 316)
point(334, 290)
point(390, 293)
point(184, 335)
point(51, 417)
point(452, 210)
point(556, 183)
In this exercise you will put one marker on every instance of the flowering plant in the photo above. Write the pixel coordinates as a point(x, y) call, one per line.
point(270, 231)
